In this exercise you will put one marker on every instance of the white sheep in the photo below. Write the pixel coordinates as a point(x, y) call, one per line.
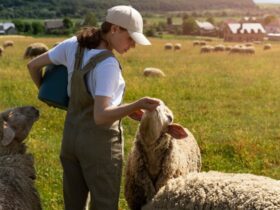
point(206, 49)
point(153, 72)
point(217, 190)
point(35, 49)
point(267, 46)
point(8, 43)
point(17, 173)
point(168, 46)
point(178, 46)
point(162, 151)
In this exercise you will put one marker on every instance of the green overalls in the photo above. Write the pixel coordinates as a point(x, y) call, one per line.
point(91, 155)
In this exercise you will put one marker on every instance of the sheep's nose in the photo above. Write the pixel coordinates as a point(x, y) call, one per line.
point(36, 111)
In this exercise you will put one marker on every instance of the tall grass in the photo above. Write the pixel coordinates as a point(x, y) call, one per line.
point(231, 103)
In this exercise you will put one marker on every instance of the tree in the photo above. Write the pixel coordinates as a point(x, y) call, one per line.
point(37, 27)
point(90, 19)
point(211, 20)
point(189, 26)
point(67, 22)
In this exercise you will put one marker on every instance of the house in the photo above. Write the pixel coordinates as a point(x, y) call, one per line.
point(54, 25)
point(205, 28)
point(7, 28)
point(244, 32)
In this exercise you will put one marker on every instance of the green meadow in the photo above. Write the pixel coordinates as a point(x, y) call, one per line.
point(231, 103)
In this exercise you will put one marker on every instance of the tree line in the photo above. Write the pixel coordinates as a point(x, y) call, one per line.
point(75, 9)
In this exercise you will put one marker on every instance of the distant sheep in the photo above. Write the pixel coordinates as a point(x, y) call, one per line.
point(168, 46)
point(206, 49)
point(153, 72)
point(1, 51)
point(216, 190)
point(162, 151)
point(177, 46)
point(8, 44)
point(219, 48)
point(35, 49)
point(17, 173)
point(267, 47)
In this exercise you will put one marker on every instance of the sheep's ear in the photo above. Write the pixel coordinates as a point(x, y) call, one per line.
point(8, 135)
point(136, 115)
point(177, 131)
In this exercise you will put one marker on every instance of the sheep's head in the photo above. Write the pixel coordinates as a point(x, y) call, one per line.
point(16, 123)
point(155, 123)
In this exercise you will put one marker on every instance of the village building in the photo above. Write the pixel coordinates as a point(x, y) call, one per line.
point(244, 32)
point(54, 25)
point(205, 28)
point(7, 28)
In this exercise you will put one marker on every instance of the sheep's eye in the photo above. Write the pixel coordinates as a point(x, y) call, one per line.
point(169, 117)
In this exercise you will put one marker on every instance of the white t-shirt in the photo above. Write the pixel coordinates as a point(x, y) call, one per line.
point(105, 80)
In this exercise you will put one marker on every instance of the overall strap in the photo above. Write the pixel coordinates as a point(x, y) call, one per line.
point(96, 59)
point(79, 57)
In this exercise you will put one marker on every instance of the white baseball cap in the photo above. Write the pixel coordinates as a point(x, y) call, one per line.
point(130, 19)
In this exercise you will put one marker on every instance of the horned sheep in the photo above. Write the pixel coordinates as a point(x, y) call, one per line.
point(162, 151)
point(217, 190)
point(35, 49)
point(17, 172)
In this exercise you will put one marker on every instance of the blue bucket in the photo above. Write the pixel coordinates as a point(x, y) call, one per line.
point(53, 90)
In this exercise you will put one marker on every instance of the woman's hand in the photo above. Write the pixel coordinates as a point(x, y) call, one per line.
point(148, 103)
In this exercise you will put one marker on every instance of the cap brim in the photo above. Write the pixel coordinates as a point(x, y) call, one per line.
point(139, 38)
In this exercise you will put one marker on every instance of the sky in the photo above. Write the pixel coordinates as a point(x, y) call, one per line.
point(267, 1)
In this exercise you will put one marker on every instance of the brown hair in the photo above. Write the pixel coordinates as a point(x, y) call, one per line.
point(91, 37)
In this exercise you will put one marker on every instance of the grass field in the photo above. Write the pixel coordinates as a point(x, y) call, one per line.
point(231, 103)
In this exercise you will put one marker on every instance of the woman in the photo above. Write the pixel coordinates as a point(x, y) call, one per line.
point(92, 146)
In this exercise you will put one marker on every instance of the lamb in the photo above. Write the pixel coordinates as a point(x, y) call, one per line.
point(217, 190)
point(162, 151)
point(17, 173)
point(153, 72)
point(35, 49)
point(8, 43)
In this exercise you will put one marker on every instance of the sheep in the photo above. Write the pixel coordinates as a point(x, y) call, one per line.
point(248, 50)
point(177, 46)
point(162, 150)
point(17, 173)
point(168, 46)
point(217, 190)
point(219, 48)
point(267, 47)
point(1, 51)
point(206, 49)
point(153, 72)
point(35, 49)
point(8, 44)
point(196, 43)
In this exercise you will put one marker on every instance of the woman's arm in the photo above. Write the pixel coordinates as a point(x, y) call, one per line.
point(35, 68)
point(104, 113)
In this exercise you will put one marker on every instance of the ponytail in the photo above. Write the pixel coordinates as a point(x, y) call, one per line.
point(91, 37)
